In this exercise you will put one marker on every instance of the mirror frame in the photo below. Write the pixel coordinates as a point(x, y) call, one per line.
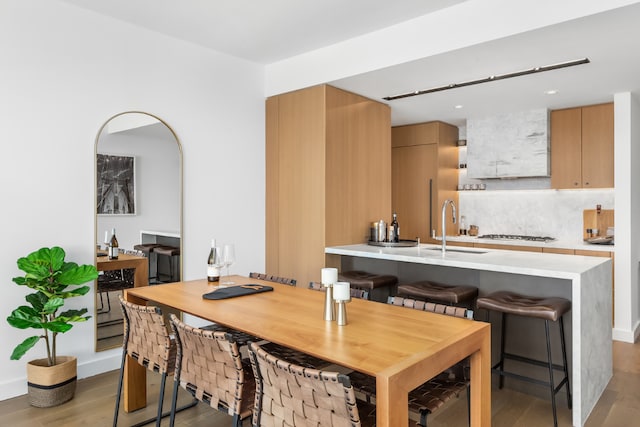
point(95, 207)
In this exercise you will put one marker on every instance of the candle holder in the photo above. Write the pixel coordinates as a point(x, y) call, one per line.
point(329, 306)
point(342, 295)
point(341, 318)
point(329, 277)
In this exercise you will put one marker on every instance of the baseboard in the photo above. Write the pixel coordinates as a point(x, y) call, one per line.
point(626, 335)
point(108, 361)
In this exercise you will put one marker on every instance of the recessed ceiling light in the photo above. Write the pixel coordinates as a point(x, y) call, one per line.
point(491, 78)
point(457, 107)
point(551, 91)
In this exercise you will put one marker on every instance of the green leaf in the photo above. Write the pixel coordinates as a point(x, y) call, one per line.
point(73, 313)
point(82, 290)
point(25, 317)
point(53, 305)
point(78, 275)
point(37, 300)
point(23, 347)
point(58, 325)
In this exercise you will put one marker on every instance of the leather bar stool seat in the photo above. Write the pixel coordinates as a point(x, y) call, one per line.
point(547, 308)
point(146, 248)
point(544, 308)
point(379, 286)
point(168, 251)
point(441, 293)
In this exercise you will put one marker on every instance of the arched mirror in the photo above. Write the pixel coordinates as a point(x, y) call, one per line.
point(138, 183)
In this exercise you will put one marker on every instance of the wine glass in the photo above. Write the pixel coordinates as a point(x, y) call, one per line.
point(228, 258)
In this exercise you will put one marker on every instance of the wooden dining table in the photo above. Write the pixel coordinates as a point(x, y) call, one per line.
point(401, 347)
point(139, 263)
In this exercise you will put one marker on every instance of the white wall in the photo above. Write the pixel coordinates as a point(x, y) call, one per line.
point(627, 182)
point(63, 72)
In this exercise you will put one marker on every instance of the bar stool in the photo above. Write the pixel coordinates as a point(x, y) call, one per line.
point(168, 251)
point(147, 249)
point(459, 295)
point(548, 309)
point(379, 286)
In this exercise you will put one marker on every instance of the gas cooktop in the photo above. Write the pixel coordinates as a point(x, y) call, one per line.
point(517, 237)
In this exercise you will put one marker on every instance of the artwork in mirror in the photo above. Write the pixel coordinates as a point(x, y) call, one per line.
point(138, 164)
point(116, 185)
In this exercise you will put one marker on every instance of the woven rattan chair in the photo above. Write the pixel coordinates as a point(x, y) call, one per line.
point(238, 336)
point(112, 281)
point(432, 395)
point(147, 341)
point(289, 394)
point(355, 292)
point(275, 279)
point(209, 366)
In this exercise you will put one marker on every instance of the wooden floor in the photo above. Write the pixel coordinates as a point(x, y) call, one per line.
point(95, 397)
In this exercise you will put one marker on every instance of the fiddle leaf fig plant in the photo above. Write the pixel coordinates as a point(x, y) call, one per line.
point(54, 280)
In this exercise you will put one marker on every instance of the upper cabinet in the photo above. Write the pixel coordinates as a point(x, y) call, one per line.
point(424, 175)
point(582, 147)
point(328, 176)
point(509, 145)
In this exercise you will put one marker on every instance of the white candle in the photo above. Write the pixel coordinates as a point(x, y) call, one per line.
point(106, 237)
point(341, 291)
point(329, 276)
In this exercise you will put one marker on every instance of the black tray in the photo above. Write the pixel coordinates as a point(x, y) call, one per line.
point(237, 291)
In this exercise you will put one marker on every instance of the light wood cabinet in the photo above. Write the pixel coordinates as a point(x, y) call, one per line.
point(582, 147)
point(424, 164)
point(328, 176)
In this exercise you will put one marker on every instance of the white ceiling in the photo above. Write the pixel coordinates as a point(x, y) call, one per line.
point(268, 31)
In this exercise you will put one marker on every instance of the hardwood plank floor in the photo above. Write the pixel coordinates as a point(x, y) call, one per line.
point(95, 397)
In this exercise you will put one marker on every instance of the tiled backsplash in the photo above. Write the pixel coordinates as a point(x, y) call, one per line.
point(554, 213)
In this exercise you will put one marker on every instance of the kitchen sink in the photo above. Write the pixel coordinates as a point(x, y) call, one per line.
point(464, 251)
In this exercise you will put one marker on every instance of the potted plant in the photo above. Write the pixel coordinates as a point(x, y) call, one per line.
point(51, 380)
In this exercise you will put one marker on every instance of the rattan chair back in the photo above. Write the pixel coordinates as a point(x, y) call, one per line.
point(290, 395)
point(275, 279)
point(146, 337)
point(209, 366)
point(355, 292)
point(449, 310)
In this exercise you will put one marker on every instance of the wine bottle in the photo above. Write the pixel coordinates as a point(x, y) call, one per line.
point(214, 263)
point(396, 228)
point(113, 245)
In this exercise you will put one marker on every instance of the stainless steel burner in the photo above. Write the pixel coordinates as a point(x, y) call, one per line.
point(517, 237)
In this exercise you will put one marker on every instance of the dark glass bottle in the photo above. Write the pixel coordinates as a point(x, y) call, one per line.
point(213, 263)
point(396, 228)
point(113, 245)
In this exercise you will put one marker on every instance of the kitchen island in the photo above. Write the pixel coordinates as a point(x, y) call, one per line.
point(584, 280)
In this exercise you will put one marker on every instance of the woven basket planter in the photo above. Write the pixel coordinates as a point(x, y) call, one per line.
point(51, 385)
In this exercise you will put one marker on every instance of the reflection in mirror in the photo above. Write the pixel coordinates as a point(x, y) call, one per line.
point(138, 183)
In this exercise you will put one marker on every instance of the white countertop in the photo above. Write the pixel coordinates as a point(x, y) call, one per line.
point(517, 262)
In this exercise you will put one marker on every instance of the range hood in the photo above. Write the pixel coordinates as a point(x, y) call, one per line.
point(513, 145)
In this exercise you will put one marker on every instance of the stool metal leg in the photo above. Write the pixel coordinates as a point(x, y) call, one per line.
point(551, 380)
point(503, 327)
point(565, 364)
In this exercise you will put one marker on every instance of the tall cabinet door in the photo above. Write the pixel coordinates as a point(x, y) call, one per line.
point(414, 170)
point(597, 146)
point(566, 148)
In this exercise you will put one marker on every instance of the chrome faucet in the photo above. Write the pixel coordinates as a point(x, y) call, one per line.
point(444, 222)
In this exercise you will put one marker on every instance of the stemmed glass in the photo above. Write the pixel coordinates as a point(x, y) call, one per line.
point(228, 258)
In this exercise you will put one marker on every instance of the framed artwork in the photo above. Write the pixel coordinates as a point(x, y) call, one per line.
point(116, 185)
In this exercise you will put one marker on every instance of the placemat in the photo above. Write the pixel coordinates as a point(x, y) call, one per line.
point(237, 291)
